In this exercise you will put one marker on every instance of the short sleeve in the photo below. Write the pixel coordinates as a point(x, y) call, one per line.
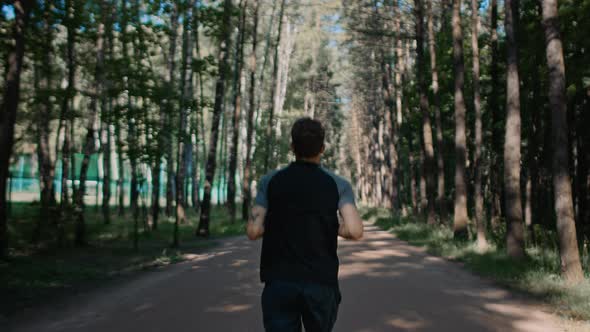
point(262, 191)
point(346, 193)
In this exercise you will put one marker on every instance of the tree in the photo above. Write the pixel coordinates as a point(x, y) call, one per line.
point(440, 163)
point(428, 148)
point(9, 107)
point(223, 62)
point(237, 103)
point(460, 217)
point(479, 213)
point(246, 183)
point(564, 209)
point(515, 228)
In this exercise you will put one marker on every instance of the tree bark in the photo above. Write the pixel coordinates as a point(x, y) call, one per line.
point(427, 145)
point(223, 58)
point(566, 228)
point(479, 213)
point(46, 169)
point(170, 183)
point(274, 91)
point(515, 227)
point(80, 233)
point(237, 103)
point(440, 163)
point(496, 148)
point(460, 218)
point(246, 183)
point(9, 108)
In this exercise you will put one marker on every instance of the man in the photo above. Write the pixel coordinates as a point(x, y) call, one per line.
point(296, 214)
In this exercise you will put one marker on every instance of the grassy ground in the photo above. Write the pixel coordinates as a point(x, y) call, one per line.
point(537, 275)
point(33, 275)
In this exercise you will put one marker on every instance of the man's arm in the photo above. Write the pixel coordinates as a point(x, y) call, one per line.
point(351, 224)
point(255, 227)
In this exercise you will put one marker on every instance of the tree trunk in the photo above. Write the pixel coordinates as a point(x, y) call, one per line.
point(80, 234)
point(223, 58)
point(564, 209)
point(237, 103)
point(183, 134)
point(479, 213)
point(515, 228)
point(46, 169)
point(9, 108)
point(274, 91)
point(170, 183)
point(460, 218)
point(246, 190)
point(428, 167)
point(440, 164)
point(496, 148)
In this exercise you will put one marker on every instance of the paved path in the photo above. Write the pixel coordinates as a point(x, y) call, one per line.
point(386, 284)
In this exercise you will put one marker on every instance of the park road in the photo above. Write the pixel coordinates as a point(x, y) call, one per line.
point(386, 284)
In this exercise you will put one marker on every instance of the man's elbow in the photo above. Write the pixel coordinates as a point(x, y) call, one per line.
point(356, 235)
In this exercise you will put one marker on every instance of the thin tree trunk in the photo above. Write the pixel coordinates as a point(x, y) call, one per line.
point(479, 213)
point(425, 108)
point(246, 191)
point(564, 209)
point(80, 233)
point(183, 135)
point(440, 164)
point(460, 218)
point(170, 183)
point(46, 169)
point(223, 58)
point(515, 227)
point(274, 91)
point(237, 103)
point(496, 148)
point(9, 108)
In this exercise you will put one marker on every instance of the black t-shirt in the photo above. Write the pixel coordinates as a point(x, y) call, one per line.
point(301, 224)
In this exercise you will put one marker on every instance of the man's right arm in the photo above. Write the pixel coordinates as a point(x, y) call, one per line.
point(351, 224)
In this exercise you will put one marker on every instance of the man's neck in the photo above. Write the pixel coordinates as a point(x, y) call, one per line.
point(313, 160)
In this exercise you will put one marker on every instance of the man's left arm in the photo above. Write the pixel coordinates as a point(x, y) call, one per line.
point(255, 227)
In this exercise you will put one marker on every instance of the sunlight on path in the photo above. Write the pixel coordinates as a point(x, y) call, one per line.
point(386, 284)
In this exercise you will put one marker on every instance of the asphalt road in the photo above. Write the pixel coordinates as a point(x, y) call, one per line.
point(386, 284)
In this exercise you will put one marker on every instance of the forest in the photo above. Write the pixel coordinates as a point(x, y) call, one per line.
point(161, 115)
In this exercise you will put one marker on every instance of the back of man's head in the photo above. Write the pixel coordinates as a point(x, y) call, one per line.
point(307, 138)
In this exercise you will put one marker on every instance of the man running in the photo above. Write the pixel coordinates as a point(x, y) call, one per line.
point(296, 213)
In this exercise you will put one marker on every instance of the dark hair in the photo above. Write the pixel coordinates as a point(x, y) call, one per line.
point(307, 137)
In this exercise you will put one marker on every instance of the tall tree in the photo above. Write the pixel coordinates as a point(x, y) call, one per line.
point(495, 176)
point(9, 107)
point(564, 209)
point(460, 218)
point(44, 117)
point(183, 134)
point(89, 148)
point(440, 163)
point(479, 213)
point(274, 91)
point(237, 104)
point(428, 148)
point(515, 227)
point(246, 183)
point(223, 63)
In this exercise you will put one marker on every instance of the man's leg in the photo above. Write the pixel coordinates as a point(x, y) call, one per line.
point(320, 307)
point(281, 307)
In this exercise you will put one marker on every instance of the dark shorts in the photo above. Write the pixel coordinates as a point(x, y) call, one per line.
point(285, 305)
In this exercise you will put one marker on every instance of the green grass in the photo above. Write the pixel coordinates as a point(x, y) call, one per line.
point(35, 274)
point(537, 275)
